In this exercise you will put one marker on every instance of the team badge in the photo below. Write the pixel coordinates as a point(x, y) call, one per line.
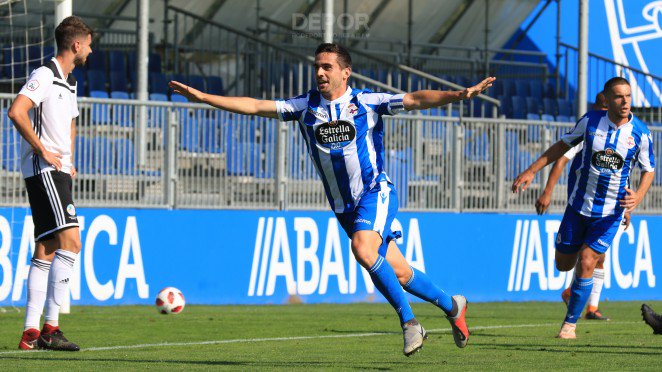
point(71, 210)
point(630, 142)
point(352, 109)
point(32, 85)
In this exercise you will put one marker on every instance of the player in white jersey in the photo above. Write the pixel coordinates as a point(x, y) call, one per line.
point(343, 130)
point(44, 112)
point(592, 311)
point(613, 141)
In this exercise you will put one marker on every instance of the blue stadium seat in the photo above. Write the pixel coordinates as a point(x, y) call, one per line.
point(399, 167)
point(476, 146)
point(118, 81)
point(83, 156)
point(117, 62)
point(100, 113)
point(212, 136)
point(532, 116)
point(519, 107)
point(17, 60)
point(215, 85)
point(124, 156)
point(96, 61)
point(197, 82)
point(154, 62)
point(157, 83)
point(522, 88)
point(189, 135)
point(241, 159)
point(96, 80)
point(512, 149)
point(266, 165)
point(79, 74)
point(532, 106)
point(564, 119)
point(549, 106)
point(564, 107)
point(178, 98)
point(547, 117)
point(102, 156)
point(506, 107)
point(158, 97)
point(122, 114)
point(536, 89)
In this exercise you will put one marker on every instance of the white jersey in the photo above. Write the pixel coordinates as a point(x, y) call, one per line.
point(344, 139)
point(55, 105)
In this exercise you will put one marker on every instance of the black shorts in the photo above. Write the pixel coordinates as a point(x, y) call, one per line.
point(51, 203)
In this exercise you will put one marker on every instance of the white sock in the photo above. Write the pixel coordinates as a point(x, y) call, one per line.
point(37, 287)
point(58, 283)
point(598, 279)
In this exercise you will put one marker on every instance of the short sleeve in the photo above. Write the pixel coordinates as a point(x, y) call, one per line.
point(291, 109)
point(385, 103)
point(576, 135)
point(74, 105)
point(570, 154)
point(38, 85)
point(646, 158)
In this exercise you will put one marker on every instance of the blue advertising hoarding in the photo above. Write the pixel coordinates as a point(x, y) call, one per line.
point(272, 257)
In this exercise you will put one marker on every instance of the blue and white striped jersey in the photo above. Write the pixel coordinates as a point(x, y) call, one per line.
point(344, 139)
point(602, 167)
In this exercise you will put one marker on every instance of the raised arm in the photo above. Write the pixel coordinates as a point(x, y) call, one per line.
point(424, 99)
point(545, 199)
point(551, 155)
point(239, 105)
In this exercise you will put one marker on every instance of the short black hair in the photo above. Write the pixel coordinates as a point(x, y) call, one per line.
point(344, 59)
point(69, 29)
point(613, 82)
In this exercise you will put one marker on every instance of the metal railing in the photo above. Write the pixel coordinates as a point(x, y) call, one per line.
point(194, 156)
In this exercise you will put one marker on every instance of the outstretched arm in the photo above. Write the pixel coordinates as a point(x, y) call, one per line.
point(238, 105)
point(424, 99)
point(551, 155)
point(545, 199)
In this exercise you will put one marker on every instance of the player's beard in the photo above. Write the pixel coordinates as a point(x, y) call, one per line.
point(79, 61)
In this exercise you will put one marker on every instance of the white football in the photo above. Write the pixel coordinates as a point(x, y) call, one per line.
point(170, 301)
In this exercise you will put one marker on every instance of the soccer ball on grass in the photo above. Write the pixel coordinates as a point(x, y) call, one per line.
point(170, 301)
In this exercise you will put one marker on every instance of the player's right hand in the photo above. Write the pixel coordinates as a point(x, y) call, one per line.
point(524, 179)
point(192, 94)
point(543, 203)
point(52, 159)
point(626, 220)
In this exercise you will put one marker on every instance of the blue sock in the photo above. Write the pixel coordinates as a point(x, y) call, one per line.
point(383, 276)
point(422, 287)
point(580, 291)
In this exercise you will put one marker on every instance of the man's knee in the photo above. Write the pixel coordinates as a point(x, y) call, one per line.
point(601, 262)
point(364, 247)
point(588, 260)
point(69, 240)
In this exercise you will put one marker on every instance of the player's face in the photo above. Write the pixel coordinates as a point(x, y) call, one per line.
point(618, 101)
point(330, 76)
point(84, 50)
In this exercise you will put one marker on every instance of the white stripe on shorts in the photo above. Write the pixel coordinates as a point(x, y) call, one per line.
point(54, 198)
point(382, 208)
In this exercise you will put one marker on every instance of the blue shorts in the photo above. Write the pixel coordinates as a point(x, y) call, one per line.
point(376, 211)
point(576, 229)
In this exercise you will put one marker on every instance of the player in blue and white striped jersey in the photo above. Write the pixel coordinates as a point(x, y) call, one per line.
point(613, 141)
point(343, 130)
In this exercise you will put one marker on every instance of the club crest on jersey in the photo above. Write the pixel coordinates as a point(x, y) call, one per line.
point(335, 134)
point(71, 210)
point(607, 161)
point(630, 142)
point(352, 109)
point(32, 85)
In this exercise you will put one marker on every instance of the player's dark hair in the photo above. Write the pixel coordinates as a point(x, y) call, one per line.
point(344, 59)
point(613, 82)
point(68, 30)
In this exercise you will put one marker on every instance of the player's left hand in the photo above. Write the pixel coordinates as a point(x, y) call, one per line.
point(524, 179)
point(543, 202)
point(73, 171)
point(471, 92)
point(192, 94)
point(626, 220)
point(630, 201)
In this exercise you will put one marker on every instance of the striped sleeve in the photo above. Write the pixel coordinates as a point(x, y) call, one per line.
point(576, 135)
point(570, 154)
point(384, 103)
point(291, 109)
point(646, 158)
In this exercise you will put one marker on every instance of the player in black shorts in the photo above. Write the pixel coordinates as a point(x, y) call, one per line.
point(44, 113)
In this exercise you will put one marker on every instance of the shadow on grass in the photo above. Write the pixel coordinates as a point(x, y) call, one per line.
point(577, 348)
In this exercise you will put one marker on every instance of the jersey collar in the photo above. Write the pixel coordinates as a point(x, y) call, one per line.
point(59, 68)
point(342, 99)
point(614, 126)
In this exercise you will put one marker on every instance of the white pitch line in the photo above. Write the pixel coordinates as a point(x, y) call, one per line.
point(296, 338)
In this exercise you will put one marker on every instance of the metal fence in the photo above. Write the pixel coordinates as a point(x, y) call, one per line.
point(192, 156)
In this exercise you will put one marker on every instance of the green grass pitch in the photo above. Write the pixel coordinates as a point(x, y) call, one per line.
point(505, 336)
